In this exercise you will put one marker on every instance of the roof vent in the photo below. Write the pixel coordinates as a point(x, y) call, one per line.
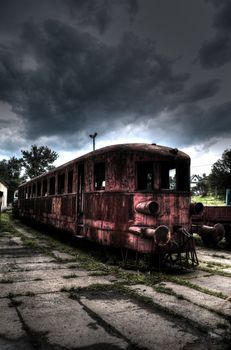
point(173, 150)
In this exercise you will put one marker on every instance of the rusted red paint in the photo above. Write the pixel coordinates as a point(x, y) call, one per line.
point(105, 208)
point(213, 215)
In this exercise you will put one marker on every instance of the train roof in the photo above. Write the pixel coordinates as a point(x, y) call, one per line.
point(151, 149)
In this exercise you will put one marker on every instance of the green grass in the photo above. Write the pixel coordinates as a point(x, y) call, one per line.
point(208, 200)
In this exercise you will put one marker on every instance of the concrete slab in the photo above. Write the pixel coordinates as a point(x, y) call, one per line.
point(48, 286)
point(12, 266)
point(62, 256)
point(14, 251)
point(205, 319)
point(215, 283)
point(15, 241)
point(212, 252)
point(214, 256)
point(4, 240)
point(142, 327)
point(45, 274)
point(10, 325)
point(6, 234)
point(199, 298)
point(33, 258)
point(64, 323)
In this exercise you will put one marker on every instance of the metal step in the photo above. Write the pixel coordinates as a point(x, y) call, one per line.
point(80, 236)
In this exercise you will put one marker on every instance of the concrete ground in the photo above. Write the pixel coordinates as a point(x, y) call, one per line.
point(53, 296)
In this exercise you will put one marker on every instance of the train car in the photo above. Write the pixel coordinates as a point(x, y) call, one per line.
point(130, 196)
point(213, 224)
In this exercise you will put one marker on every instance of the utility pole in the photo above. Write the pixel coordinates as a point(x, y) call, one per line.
point(93, 139)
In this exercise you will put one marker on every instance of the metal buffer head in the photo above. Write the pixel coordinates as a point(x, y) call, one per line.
point(211, 235)
point(196, 208)
point(148, 207)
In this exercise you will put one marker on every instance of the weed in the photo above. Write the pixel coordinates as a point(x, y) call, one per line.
point(73, 275)
point(222, 326)
point(99, 273)
point(3, 280)
point(11, 295)
point(189, 284)
point(218, 256)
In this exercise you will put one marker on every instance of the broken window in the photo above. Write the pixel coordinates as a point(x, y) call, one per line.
point(45, 187)
point(52, 185)
point(70, 181)
point(61, 183)
point(144, 175)
point(99, 176)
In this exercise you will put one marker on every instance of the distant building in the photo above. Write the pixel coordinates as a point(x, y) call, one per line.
point(3, 195)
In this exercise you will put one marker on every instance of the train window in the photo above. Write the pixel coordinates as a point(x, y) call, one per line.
point(99, 176)
point(34, 190)
point(52, 185)
point(144, 175)
point(39, 189)
point(183, 177)
point(45, 187)
point(168, 176)
point(70, 181)
point(61, 183)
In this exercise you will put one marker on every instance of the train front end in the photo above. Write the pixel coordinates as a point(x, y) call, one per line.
point(161, 202)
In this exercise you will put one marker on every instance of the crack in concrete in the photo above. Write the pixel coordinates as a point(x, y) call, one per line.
point(108, 328)
point(37, 340)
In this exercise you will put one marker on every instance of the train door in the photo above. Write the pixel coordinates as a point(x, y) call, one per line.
point(80, 199)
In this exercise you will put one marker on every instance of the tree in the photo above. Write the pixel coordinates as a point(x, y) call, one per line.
point(38, 160)
point(220, 177)
point(10, 171)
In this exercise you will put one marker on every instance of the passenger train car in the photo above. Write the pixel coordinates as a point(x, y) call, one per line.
point(131, 196)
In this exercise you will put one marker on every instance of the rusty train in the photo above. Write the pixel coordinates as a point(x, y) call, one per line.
point(130, 196)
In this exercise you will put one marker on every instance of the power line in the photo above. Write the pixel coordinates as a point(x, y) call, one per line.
point(195, 166)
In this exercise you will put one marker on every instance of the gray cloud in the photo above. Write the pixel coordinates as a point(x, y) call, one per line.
point(79, 81)
point(196, 124)
point(217, 51)
point(99, 13)
point(68, 68)
point(201, 91)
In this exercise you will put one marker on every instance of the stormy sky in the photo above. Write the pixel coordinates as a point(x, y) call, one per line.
point(130, 70)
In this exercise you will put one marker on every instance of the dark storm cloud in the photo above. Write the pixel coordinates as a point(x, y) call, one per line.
point(196, 124)
point(217, 51)
point(78, 81)
point(99, 13)
point(202, 91)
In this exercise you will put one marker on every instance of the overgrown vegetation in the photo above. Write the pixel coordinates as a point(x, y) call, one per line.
point(208, 200)
point(212, 188)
